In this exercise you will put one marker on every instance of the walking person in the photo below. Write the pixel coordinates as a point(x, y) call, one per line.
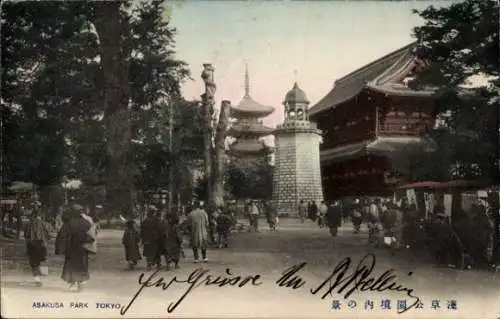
point(333, 218)
point(248, 214)
point(151, 236)
point(131, 240)
point(313, 211)
point(224, 223)
point(37, 238)
point(72, 238)
point(392, 224)
point(172, 240)
point(255, 212)
point(322, 210)
point(356, 216)
point(198, 224)
point(92, 232)
point(302, 210)
point(271, 216)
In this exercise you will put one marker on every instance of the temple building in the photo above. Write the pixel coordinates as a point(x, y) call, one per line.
point(247, 130)
point(368, 116)
point(297, 173)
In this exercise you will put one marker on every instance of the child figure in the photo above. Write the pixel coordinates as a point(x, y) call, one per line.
point(172, 240)
point(224, 223)
point(131, 239)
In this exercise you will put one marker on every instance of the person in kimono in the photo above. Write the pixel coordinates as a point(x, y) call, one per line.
point(302, 210)
point(131, 240)
point(198, 225)
point(71, 241)
point(254, 213)
point(481, 245)
point(392, 223)
point(356, 216)
point(172, 240)
point(322, 210)
point(224, 222)
point(333, 218)
point(312, 211)
point(37, 238)
point(271, 216)
point(151, 237)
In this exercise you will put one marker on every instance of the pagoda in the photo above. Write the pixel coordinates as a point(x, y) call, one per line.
point(247, 129)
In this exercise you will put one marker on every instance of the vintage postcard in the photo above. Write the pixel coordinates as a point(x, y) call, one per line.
point(250, 159)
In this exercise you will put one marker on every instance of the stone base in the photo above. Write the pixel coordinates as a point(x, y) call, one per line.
point(297, 173)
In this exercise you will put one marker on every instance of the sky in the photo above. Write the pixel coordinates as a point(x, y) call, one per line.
point(311, 42)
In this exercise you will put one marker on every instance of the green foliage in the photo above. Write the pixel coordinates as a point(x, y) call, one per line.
point(53, 96)
point(459, 43)
point(250, 180)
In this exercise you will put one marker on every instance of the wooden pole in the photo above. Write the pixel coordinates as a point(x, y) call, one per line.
point(208, 102)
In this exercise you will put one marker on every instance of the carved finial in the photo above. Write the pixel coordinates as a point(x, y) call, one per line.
point(295, 76)
point(247, 81)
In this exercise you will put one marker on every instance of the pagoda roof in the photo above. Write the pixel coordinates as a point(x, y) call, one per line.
point(382, 75)
point(249, 107)
point(242, 128)
point(242, 148)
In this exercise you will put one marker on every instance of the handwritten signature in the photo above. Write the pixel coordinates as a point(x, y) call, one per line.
point(339, 282)
point(197, 278)
point(359, 280)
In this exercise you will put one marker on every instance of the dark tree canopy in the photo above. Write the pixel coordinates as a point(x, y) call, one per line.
point(460, 45)
point(53, 95)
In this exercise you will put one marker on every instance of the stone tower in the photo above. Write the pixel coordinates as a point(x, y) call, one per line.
point(297, 173)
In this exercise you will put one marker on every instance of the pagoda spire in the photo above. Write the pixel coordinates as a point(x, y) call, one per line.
point(247, 81)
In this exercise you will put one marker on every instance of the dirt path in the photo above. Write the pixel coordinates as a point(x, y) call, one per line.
point(267, 254)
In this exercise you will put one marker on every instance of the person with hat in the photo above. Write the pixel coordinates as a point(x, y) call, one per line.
point(198, 225)
point(333, 218)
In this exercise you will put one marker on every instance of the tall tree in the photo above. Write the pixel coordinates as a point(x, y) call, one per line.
point(57, 66)
point(112, 27)
point(460, 45)
point(43, 84)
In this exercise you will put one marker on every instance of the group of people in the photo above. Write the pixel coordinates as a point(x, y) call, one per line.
point(76, 239)
point(326, 215)
point(164, 238)
point(253, 211)
point(469, 239)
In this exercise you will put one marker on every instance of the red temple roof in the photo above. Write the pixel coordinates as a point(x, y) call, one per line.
point(381, 75)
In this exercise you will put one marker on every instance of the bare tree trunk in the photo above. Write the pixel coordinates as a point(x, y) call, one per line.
point(173, 165)
point(110, 28)
point(207, 149)
point(220, 149)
